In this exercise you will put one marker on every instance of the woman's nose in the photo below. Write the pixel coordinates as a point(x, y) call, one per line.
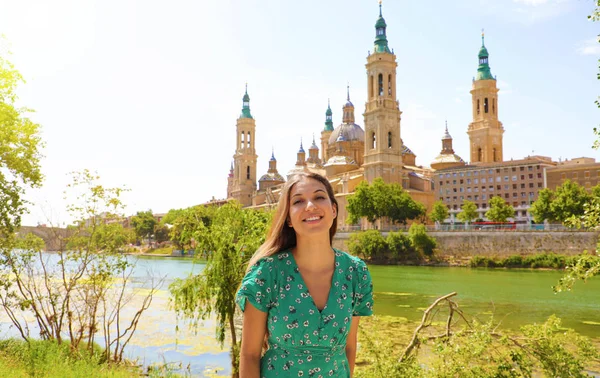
point(310, 205)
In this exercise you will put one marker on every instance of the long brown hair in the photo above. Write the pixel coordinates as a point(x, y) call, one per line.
point(281, 236)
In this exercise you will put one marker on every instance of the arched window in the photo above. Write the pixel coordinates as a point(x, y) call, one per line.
point(380, 84)
point(479, 154)
point(390, 84)
point(371, 87)
point(248, 139)
point(493, 106)
point(485, 105)
point(494, 154)
point(389, 139)
point(373, 141)
point(248, 172)
point(477, 106)
point(242, 140)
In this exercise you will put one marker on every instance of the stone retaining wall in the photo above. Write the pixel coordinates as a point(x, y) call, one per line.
point(502, 243)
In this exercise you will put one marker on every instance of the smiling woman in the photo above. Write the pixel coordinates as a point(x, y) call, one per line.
point(301, 295)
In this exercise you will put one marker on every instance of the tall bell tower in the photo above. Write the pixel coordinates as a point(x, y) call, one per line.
point(383, 144)
point(244, 159)
point(485, 132)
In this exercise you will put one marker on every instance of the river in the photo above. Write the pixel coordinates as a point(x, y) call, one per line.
point(516, 297)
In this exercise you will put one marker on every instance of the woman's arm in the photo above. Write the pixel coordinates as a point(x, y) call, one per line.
point(351, 343)
point(254, 329)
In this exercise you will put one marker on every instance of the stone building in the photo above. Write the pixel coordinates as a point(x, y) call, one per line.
point(584, 171)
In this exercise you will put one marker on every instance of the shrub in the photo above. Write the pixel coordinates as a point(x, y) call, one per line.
point(515, 261)
point(420, 240)
point(368, 244)
point(400, 246)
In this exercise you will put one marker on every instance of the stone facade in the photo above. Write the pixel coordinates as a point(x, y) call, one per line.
point(583, 171)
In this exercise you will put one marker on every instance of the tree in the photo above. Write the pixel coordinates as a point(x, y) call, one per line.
point(569, 199)
point(20, 145)
point(541, 208)
point(79, 294)
point(468, 212)
point(499, 210)
point(230, 240)
point(143, 223)
point(185, 222)
point(439, 212)
point(380, 200)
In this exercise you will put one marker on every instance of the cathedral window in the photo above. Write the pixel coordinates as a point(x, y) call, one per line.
point(390, 84)
point(477, 106)
point(373, 141)
point(494, 157)
point(371, 86)
point(493, 106)
point(380, 84)
point(389, 139)
point(479, 154)
point(242, 140)
point(485, 105)
point(248, 172)
point(248, 139)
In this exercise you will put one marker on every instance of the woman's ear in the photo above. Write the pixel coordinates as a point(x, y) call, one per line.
point(334, 210)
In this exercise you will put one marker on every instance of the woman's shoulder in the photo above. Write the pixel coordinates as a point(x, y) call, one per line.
point(274, 261)
point(349, 259)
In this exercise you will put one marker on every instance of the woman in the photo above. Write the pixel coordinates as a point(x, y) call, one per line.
point(302, 295)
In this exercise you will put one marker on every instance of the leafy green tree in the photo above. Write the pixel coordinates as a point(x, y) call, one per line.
point(20, 145)
point(439, 212)
point(185, 222)
point(499, 210)
point(380, 200)
point(401, 247)
point(143, 223)
point(468, 212)
point(569, 200)
point(541, 209)
point(231, 239)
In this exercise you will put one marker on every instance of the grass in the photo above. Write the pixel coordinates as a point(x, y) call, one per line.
point(48, 359)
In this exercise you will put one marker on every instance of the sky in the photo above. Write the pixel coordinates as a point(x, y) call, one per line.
point(147, 93)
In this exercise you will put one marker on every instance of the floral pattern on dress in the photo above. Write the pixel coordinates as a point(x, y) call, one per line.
point(303, 341)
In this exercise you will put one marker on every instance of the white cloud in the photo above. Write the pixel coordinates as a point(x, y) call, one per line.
point(458, 100)
point(504, 87)
point(589, 47)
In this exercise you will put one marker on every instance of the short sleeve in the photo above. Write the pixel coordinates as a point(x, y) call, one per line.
point(363, 296)
point(256, 286)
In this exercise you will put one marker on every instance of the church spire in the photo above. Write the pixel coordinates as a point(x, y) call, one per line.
point(381, 42)
point(328, 118)
point(246, 105)
point(483, 71)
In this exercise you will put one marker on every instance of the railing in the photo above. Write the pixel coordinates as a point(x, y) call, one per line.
point(471, 227)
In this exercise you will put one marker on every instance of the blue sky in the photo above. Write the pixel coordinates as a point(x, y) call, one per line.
point(147, 92)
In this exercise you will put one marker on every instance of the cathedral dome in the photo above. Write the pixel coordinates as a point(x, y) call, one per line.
point(447, 158)
point(272, 177)
point(349, 132)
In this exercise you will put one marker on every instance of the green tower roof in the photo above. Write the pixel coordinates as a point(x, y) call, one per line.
point(246, 105)
point(328, 118)
point(381, 42)
point(483, 71)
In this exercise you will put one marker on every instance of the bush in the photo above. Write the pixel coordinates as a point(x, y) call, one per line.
point(515, 261)
point(483, 262)
point(400, 246)
point(368, 244)
point(420, 240)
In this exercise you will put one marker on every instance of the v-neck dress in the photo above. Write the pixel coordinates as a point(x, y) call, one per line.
point(303, 341)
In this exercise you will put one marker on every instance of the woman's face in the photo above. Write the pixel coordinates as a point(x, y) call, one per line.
point(311, 211)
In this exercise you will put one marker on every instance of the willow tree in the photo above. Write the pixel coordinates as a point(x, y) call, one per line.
point(231, 238)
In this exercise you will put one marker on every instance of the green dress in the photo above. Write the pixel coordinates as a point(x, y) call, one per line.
point(303, 341)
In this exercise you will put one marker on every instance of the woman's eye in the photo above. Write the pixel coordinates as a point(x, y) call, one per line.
point(296, 202)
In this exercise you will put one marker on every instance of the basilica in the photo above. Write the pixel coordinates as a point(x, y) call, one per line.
point(348, 153)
